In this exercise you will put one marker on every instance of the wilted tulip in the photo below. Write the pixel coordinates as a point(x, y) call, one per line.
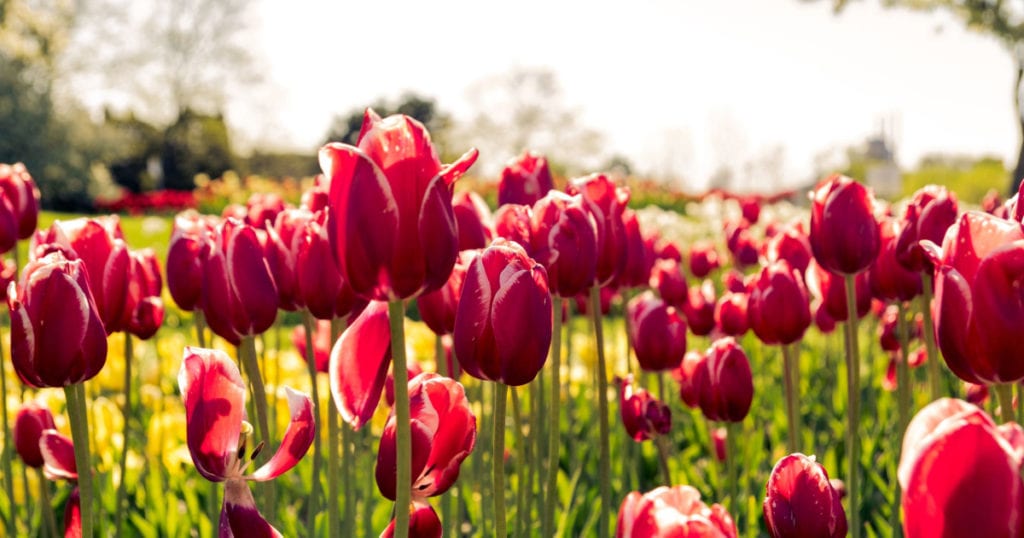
point(800, 501)
point(503, 323)
point(675, 511)
point(667, 277)
point(844, 234)
point(23, 196)
point(731, 314)
point(931, 212)
point(700, 308)
point(888, 278)
point(57, 338)
point(564, 240)
point(605, 202)
point(703, 259)
point(473, 220)
point(725, 382)
point(437, 308)
point(642, 414)
point(444, 434)
point(392, 229)
point(213, 393)
point(790, 244)
point(525, 180)
point(779, 309)
point(185, 257)
point(32, 420)
point(657, 332)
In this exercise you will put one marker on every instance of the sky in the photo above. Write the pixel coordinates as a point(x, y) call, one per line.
point(679, 87)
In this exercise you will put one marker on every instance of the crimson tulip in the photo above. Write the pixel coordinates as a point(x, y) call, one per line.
point(473, 220)
point(563, 239)
point(513, 222)
point(57, 337)
point(888, 278)
point(262, 209)
point(688, 378)
point(438, 308)
point(185, 255)
point(239, 294)
point(667, 250)
point(639, 262)
point(822, 319)
point(741, 244)
point(669, 512)
point(359, 364)
point(503, 322)
point(20, 191)
point(606, 203)
point(960, 474)
point(318, 196)
point(790, 244)
point(703, 259)
point(393, 230)
point(443, 435)
point(213, 393)
point(144, 310)
point(423, 522)
point(750, 207)
point(322, 343)
point(931, 211)
point(282, 244)
point(829, 289)
point(888, 339)
point(32, 420)
point(720, 438)
point(800, 501)
point(525, 179)
point(725, 383)
point(412, 370)
point(731, 314)
point(700, 308)
point(8, 272)
point(657, 332)
point(844, 234)
point(642, 414)
point(778, 309)
point(667, 277)
point(320, 285)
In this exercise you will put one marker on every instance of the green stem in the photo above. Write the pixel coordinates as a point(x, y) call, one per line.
point(789, 364)
point(439, 357)
point(79, 418)
point(661, 442)
point(522, 457)
point(934, 368)
point(852, 404)
point(122, 486)
point(333, 514)
point(313, 505)
point(5, 450)
point(199, 320)
point(551, 493)
point(732, 466)
point(247, 356)
point(347, 483)
point(604, 463)
point(903, 388)
point(46, 505)
point(1004, 391)
point(498, 459)
point(396, 314)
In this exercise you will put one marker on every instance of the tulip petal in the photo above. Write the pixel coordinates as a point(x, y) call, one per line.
point(239, 517)
point(65, 309)
point(951, 310)
point(438, 238)
point(297, 438)
point(453, 442)
point(423, 522)
point(73, 515)
point(997, 314)
point(523, 298)
point(359, 364)
point(250, 279)
point(923, 424)
point(214, 397)
point(58, 453)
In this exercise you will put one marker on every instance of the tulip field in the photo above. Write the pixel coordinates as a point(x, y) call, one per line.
point(812, 364)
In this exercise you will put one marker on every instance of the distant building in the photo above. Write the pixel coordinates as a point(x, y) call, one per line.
point(882, 173)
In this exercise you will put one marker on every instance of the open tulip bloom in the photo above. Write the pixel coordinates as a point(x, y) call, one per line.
point(214, 396)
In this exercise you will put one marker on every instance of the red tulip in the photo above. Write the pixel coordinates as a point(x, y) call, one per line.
point(8, 272)
point(790, 244)
point(473, 220)
point(437, 308)
point(503, 323)
point(283, 236)
point(720, 438)
point(412, 370)
point(423, 522)
point(443, 435)
point(960, 475)
point(979, 303)
point(144, 308)
point(564, 240)
point(703, 259)
point(741, 244)
point(638, 264)
point(525, 180)
point(513, 222)
point(668, 250)
point(731, 314)
point(185, 255)
point(975, 394)
point(23, 196)
point(667, 277)
point(844, 234)
point(58, 451)
point(700, 308)
point(318, 197)
point(778, 308)
point(73, 515)
point(800, 501)
point(931, 212)
point(8, 224)
point(642, 414)
point(213, 393)
point(725, 382)
point(688, 377)
point(750, 206)
point(670, 512)
point(888, 278)
point(320, 286)
point(825, 322)
point(32, 420)
point(830, 290)
point(734, 281)
point(57, 338)
point(393, 229)
point(657, 332)
point(605, 202)
point(262, 209)
point(239, 294)
point(322, 343)
point(359, 364)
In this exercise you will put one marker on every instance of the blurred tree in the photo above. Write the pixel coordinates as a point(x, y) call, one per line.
point(133, 144)
point(195, 144)
point(1001, 20)
point(345, 128)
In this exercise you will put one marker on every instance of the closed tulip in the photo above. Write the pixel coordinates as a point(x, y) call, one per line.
point(144, 308)
point(473, 220)
point(606, 203)
point(844, 234)
point(319, 283)
point(703, 259)
point(525, 179)
point(931, 211)
point(978, 308)
point(669, 512)
point(642, 414)
point(741, 244)
point(57, 337)
point(444, 434)
point(725, 382)
point(318, 196)
point(731, 313)
point(639, 262)
point(503, 323)
point(438, 308)
point(778, 308)
point(32, 420)
point(282, 245)
point(657, 332)
point(513, 222)
point(564, 240)
point(790, 244)
point(888, 278)
point(185, 257)
point(20, 190)
point(393, 230)
point(828, 288)
point(667, 277)
point(689, 374)
point(700, 308)
point(800, 502)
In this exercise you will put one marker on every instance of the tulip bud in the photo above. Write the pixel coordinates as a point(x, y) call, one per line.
point(800, 501)
point(642, 414)
point(564, 240)
point(844, 234)
point(779, 309)
point(725, 382)
point(703, 259)
point(931, 212)
point(700, 308)
point(184, 257)
point(23, 196)
point(657, 332)
point(503, 323)
point(32, 420)
point(731, 314)
point(525, 180)
point(667, 277)
point(605, 202)
point(473, 220)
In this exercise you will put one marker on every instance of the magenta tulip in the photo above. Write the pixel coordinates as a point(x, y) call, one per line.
point(703, 259)
point(23, 196)
point(185, 257)
point(700, 308)
point(473, 220)
point(32, 420)
point(731, 314)
point(643, 416)
point(844, 234)
point(564, 240)
point(672, 512)
point(778, 308)
point(657, 332)
point(800, 501)
point(667, 277)
point(525, 179)
point(606, 203)
point(725, 382)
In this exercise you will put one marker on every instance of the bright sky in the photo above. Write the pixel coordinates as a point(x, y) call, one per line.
point(677, 86)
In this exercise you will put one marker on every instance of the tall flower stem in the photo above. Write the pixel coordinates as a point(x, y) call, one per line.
point(5, 450)
point(46, 506)
point(551, 493)
point(790, 371)
point(903, 388)
point(441, 361)
point(661, 443)
point(78, 415)
point(498, 459)
point(396, 313)
point(852, 404)
point(313, 505)
point(604, 461)
point(199, 320)
point(247, 356)
point(1004, 391)
point(122, 486)
point(732, 465)
point(934, 368)
point(333, 514)
point(522, 459)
